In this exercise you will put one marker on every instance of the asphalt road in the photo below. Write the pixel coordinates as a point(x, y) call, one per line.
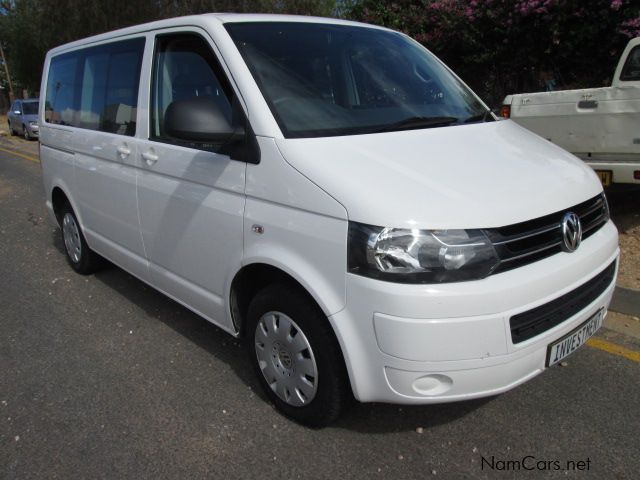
point(102, 377)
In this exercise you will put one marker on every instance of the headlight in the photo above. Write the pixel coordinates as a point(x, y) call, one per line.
point(607, 212)
point(33, 124)
point(420, 256)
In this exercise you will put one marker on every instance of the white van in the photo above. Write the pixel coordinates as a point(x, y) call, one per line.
point(334, 194)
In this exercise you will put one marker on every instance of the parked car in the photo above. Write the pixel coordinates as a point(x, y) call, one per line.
point(599, 125)
point(22, 118)
point(332, 193)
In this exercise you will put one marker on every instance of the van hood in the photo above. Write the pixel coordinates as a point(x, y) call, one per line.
point(468, 176)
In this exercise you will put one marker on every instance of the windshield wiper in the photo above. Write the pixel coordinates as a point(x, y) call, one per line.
point(417, 122)
point(482, 117)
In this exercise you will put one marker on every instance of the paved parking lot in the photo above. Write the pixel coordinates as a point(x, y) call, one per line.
point(102, 377)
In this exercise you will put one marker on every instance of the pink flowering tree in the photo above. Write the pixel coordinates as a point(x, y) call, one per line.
point(508, 46)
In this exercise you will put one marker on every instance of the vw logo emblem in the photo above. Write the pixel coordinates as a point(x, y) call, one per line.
point(571, 232)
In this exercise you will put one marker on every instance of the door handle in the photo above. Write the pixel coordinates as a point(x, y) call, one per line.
point(123, 151)
point(150, 158)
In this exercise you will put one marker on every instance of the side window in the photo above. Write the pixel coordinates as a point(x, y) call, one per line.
point(121, 100)
point(109, 93)
point(96, 88)
point(631, 70)
point(186, 68)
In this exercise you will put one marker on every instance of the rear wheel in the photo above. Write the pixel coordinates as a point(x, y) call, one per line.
point(296, 356)
point(12, 130)
point(81, 258)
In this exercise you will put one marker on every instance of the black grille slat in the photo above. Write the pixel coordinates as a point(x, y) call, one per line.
point(530, 244)
point(533, 322)
point(524, 236)
point(531, 251)
point(588, 211)
point(590, 226)
point(527, 242)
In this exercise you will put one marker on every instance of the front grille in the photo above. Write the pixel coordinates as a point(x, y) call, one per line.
point(533, 322)
point(523, 243)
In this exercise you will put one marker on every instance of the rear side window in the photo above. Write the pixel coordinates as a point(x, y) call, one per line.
point(96, 88)
point(631, 69)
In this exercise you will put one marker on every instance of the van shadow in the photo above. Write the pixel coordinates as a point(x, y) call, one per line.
point(624, 202)
point(364, 418)
point(159, 307)
point(387, 418)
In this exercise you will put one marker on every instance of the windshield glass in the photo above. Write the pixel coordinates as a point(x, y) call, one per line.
point(30, 108)
point(327, 80)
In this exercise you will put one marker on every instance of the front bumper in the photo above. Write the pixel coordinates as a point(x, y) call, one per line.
point(419, 344)
point(34, 130)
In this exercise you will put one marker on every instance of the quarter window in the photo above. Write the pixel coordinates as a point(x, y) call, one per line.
point(61, 90)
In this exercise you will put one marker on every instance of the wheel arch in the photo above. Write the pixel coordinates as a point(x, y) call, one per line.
point(255, 276)
point(59, 198)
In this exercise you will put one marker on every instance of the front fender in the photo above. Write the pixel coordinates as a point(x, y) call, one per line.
point(309, 247)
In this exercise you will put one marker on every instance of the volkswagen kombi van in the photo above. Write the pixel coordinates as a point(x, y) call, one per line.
point(332, 193)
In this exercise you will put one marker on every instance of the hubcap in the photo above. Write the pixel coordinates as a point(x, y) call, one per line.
point(71, 235)
point(286, 359)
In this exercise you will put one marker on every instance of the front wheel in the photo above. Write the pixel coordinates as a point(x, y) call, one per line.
point(296, 356)
point(27, 136)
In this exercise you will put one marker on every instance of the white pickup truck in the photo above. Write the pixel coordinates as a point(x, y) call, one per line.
point(599, 125)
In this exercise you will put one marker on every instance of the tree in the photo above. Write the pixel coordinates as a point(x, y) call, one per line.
point(502, 46)
point(29, 28)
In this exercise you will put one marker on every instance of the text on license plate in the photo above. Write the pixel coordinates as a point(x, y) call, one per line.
point(574, 339)
point(605, 177)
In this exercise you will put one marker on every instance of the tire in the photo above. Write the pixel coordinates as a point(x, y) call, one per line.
point(315, 380)
point(11, 130)
point(25, 132)
point(81, 258)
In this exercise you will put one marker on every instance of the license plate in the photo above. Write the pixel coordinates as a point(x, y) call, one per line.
point(574, 339)
point(605, 177)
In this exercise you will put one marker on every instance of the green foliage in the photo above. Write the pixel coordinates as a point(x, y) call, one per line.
point(29, 28)
point(497, 46)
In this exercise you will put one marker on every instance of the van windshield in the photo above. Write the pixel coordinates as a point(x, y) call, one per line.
point(328, 80)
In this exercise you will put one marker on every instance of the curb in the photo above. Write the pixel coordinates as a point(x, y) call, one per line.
point(626, 301)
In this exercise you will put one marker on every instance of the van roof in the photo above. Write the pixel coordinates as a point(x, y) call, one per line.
point(204, 20)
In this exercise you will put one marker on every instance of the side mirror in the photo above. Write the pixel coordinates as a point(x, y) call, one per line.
point(199, 119)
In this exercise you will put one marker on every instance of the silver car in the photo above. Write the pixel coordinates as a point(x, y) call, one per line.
point(23, 118)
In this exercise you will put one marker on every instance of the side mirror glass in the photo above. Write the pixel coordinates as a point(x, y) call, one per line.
point(199, 119)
